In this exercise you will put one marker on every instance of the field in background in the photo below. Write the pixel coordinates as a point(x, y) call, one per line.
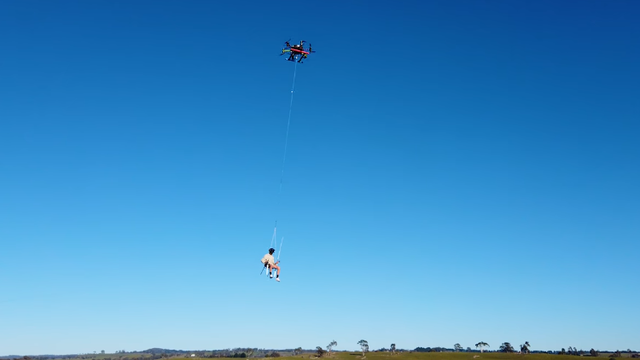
point(431, 356)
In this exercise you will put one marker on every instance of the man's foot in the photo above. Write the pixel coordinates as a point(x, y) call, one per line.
point(278, 279)
point(270, 276)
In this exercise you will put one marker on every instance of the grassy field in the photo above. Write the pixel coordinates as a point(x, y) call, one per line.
point(405, 355)
point(431, 356)
point(451, 356)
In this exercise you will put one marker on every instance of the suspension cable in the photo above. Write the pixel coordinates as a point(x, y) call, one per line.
point(274, 240)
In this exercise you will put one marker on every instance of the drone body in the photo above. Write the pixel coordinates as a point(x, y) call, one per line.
point(296, 52)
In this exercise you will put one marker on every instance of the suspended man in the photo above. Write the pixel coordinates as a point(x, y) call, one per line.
point(270, 263)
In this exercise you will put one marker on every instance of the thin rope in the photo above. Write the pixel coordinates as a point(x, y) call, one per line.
point(274, 240)
point(280, 251)
point(286, 138)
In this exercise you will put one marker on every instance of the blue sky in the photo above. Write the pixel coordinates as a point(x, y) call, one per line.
point(456, 172)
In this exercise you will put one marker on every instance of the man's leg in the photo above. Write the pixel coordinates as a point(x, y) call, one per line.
point(277, 272)
point(277, 269)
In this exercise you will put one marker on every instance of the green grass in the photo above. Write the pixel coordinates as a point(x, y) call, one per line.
point(382, 356)
point(435, 356)
point(450, 356)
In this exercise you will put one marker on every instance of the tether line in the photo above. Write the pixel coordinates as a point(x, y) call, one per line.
point(286, 138)
point(284, 155)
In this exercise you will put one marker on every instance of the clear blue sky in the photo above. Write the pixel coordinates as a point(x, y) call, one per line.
point(458, 171)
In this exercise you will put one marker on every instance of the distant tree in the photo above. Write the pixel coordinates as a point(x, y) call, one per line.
point(481, 345)
point(364, 345)
point(331, 345)
point(616, 354)
point(457, 347)
point(562, 352)
point(319, 351)
point(524, 348)
point(297, 351)
point(392, 348)
point(506, 347)
point(468, 349)
point(593, 352)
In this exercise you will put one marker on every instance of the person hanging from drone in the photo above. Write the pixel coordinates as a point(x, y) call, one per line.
point(296, 52)
point(269, 262)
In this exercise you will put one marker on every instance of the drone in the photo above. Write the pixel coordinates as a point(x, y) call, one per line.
point(296, 52)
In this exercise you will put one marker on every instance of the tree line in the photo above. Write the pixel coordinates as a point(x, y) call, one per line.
point(161, 354)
